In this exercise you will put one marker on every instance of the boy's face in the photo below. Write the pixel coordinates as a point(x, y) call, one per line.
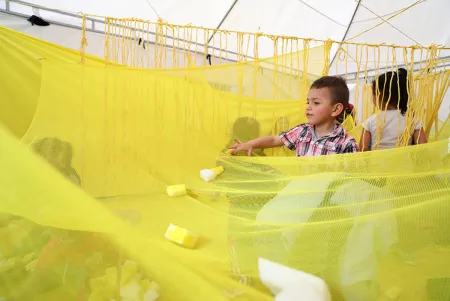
point(320, 108)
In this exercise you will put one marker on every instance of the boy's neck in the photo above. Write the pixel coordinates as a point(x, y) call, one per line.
point(324, 129)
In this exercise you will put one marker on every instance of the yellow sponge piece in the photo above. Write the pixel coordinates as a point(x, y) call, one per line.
point(130, 290)
point(229, 152)
point(145, 284)
point(154, 286)
point(181, 236)
point(176, 190)
point(209, 175)
point(129, 271)
point(217, 170)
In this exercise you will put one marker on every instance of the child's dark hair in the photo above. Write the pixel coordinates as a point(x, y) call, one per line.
point(59, 154)
point(337, 86)
point(246, 128)
point(55, 150)
point(393, 87)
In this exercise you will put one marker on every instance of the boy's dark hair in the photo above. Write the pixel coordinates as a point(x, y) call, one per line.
point(393, 87)
point(246, 128)
point(55, 150)
point(337, 86)
point(59, 154)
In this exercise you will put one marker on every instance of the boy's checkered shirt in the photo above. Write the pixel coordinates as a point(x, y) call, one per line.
point(303, 139)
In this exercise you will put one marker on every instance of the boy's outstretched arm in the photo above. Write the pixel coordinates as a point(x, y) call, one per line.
point(259, 143)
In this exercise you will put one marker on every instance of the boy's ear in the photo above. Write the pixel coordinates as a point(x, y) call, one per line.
point(338, 109)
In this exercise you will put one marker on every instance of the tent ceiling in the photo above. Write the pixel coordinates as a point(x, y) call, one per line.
point(425, 23)
point(199, 12)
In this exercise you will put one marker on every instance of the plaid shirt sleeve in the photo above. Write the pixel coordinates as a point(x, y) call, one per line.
point(350, 147)
point(290, 137)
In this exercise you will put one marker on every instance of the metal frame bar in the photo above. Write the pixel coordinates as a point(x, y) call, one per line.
point(346, 32)
point(223, 20)
point(92, 29)
point(351, 77)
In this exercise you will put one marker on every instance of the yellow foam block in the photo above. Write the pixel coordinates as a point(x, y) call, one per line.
point(130, 290)
point(145, 284)
point(154, 286)
point(209, 175)
point(151, 295)
point(229, 152)
point(217, 170)
point(181, 236)
point(176, 190)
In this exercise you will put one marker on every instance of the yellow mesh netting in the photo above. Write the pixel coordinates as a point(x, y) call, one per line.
point(295, 60)
point(368, 223)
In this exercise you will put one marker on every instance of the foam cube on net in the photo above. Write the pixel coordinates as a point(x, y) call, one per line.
point(176, 190)
point(181, 236)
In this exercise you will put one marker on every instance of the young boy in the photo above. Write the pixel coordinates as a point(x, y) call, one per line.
point(322, 135)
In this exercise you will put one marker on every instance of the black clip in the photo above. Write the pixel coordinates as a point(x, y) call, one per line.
point(35, 20)
point(140, 41)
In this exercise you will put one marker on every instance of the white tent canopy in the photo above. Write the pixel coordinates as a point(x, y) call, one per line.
point(401, 22)
point(412, 22)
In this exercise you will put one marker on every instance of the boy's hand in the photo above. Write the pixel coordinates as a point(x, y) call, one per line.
point(242, 147)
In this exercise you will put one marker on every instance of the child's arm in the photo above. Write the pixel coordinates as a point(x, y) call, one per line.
point(419, 137)
point(350, 147)
point(365, 141)
point(259, 143)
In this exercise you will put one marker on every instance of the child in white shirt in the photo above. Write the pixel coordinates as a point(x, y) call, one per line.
point(393, 101)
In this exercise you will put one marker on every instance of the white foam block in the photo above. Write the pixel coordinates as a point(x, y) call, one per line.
point(288, 284)
point(207, 175)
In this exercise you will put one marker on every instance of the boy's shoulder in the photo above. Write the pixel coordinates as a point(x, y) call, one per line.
point(349, 144)
point(304, 128)
point(298, 130)
point(345, 135)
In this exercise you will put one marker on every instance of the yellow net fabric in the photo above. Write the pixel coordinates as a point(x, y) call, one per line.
point(20, 61)
point(292, 65)
point(370, 224)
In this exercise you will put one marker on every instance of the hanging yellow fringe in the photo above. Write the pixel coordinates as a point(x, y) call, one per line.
point(293, 58)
